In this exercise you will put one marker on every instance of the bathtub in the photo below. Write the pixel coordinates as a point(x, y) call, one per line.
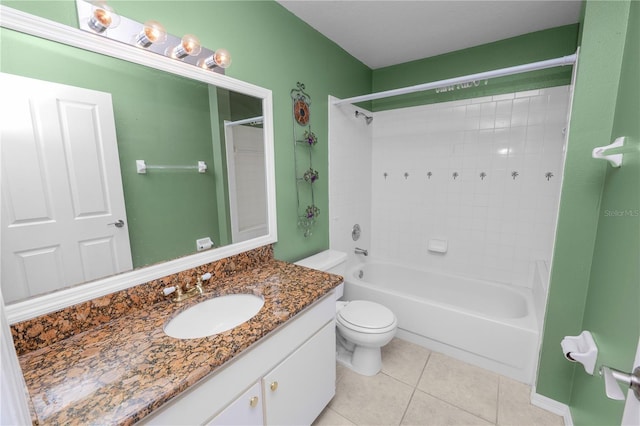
point(490, 325)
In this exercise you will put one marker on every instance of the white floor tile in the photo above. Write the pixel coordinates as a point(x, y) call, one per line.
point(329, 417)
point(375, 400)
point(515, 408)
point(463, 385)
point(340, 369)
point(404, 361)
point(444, 392)
point(427, 410)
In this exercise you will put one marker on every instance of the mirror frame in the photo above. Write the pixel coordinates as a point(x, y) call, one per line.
point(34, 25)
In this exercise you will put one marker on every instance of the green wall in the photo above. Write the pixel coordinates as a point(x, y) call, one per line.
point(533, 47)
point(273, 49)
point(613, 299)
point(595, 281)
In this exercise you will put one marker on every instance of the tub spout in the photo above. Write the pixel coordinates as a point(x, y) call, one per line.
point(358, 250)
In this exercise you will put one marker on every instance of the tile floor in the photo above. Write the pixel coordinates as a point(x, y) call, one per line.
point(420, 387)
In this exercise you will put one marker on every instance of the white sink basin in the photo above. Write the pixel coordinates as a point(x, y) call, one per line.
point(214, 316)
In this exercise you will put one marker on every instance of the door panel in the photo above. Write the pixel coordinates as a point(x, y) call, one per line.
point(98, 257)
point(24, 180)
point(81, 124)
point(61, 188)
point(40, 269)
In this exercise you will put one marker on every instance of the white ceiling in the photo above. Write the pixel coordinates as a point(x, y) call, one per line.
point(389, 32)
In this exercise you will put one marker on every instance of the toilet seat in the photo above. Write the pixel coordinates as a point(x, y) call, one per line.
point(366, 317)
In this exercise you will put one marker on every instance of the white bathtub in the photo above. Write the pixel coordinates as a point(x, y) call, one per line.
point(487, 324)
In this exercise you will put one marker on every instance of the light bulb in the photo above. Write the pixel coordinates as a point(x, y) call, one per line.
point(189, 46)
point(103, 17)
point(152, 32)
point(221, 58)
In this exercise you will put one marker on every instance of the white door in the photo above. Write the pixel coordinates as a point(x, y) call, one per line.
point(247, 185)
point(631, 414)
point(61, 188)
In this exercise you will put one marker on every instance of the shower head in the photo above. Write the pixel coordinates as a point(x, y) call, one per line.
point(367, 118)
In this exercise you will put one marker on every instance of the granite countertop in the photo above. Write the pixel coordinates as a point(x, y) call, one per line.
point(121, 371)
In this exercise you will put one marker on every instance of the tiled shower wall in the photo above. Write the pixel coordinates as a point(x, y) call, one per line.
point(483, 174)
point(350, 164)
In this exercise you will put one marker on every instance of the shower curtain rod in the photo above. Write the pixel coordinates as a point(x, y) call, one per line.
point(533, 66)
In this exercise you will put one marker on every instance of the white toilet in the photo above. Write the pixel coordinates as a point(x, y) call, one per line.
point(363, 326)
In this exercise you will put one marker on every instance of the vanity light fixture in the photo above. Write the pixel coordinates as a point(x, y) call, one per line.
point(103, 17)
point(98, 18)
point(189, 46)
point(153, 32)
point(221, 58)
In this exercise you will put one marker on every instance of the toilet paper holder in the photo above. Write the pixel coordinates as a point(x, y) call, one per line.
point(582, 349)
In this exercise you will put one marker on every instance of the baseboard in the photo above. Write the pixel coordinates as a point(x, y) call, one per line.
point(553, 406)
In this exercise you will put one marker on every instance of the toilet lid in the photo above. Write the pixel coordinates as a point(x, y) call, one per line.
point(362, 313)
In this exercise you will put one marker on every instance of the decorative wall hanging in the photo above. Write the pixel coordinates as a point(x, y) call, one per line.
point(310, 176)
point(303, 142)
point(301, 109)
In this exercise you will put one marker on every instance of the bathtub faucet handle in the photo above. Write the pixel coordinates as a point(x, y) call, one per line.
point(358, 250)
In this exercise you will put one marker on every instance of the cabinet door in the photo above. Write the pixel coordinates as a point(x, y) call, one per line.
point(299, 388)
point(246, 410)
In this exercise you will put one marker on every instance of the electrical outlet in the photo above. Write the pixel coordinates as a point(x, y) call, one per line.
point(204, 244)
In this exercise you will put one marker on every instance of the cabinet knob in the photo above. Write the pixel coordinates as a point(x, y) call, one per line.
point(274, 386)
point(253, 402)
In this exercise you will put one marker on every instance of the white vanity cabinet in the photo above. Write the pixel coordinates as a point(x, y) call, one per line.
point(246, 410)
point(299, 388)
point(299, 356)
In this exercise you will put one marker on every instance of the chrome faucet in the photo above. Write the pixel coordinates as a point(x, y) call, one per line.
point(358, 250)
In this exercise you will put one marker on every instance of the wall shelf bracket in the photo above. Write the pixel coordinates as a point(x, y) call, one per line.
point(610, 152)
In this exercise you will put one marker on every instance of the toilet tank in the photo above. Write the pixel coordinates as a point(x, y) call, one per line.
point(332, 261)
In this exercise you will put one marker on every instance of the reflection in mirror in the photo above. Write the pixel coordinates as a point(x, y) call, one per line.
point(74, 207)
point(246, 170)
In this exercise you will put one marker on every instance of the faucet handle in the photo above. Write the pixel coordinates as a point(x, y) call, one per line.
point(168, 290)
point(176, 288)
point(200, 283)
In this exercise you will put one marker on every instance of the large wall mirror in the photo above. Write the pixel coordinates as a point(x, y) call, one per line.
point(79, 219)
